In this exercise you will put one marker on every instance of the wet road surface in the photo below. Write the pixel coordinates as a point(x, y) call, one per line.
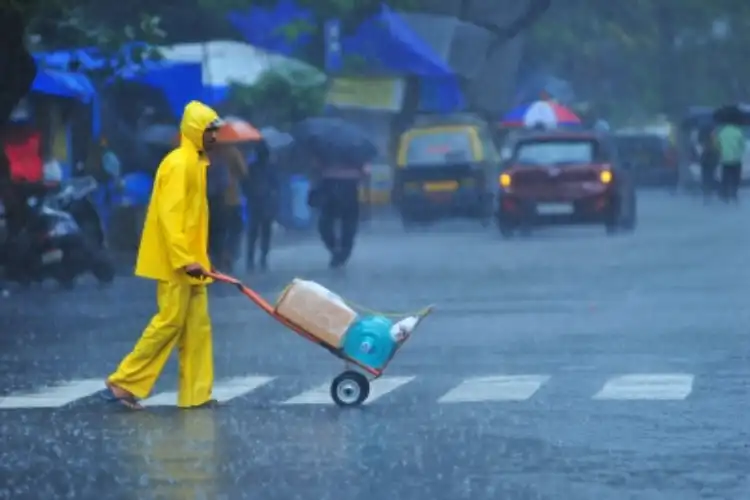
point(567, 365)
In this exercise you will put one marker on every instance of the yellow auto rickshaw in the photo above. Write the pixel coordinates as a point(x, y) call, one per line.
point(446, 166)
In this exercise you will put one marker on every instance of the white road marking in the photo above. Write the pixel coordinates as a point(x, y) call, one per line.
point(495, 388)
point(321, 395)
point(223, 391)
point(53, 397)
point(647, 386)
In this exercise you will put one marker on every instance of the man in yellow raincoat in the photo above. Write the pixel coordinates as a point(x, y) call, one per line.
point(174, 253)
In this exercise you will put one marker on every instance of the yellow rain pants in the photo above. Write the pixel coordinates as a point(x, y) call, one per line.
point(182, 320)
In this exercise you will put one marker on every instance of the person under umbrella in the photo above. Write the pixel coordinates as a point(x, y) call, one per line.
point(228, 205)
point(262, 191)
point(224, 189)
point(336, 196)
point(340, 151)
point(218, 181)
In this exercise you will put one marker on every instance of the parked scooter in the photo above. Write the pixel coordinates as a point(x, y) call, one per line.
point(52, 245)
point(74, 197)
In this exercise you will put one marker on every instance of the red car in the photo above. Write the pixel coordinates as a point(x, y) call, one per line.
point(565, 177)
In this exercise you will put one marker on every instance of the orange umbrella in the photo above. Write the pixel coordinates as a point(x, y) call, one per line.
point(236, 130)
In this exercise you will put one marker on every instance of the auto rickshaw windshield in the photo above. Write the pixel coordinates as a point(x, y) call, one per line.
point(439, 148)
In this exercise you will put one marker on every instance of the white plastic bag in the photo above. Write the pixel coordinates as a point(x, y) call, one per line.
point(404, 328)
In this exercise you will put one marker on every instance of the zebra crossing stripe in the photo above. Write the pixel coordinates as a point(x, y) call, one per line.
point(495, 388)
point(321, 395)
point(54, 396)
point(223, 391)
point(647, 386)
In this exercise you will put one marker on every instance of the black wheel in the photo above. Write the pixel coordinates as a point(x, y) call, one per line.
point(613, 219)
point(103, 269)
point(350, 389)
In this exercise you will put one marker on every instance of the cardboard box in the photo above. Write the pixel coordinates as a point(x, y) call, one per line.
point(317, 310)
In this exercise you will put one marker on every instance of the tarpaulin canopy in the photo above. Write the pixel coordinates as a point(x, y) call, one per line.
point(180, 82)
point(385, 42)
point(55, 80)
point(64, 84)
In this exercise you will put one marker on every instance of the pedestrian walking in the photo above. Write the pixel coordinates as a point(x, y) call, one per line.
point(218, 180)
point(233, 205)
point(709, 162)
point(731, 143)
point(337, 197)
point(262, 190)
point(173, 252)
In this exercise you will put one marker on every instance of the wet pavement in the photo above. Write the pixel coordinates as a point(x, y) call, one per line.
point(567, 365)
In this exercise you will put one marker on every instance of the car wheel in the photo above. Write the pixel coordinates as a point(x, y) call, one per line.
point(613, 219)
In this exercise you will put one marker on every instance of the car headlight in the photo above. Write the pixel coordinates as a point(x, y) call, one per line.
point(505, 180)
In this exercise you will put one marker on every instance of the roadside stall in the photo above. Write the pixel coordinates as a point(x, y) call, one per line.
point(61, 117)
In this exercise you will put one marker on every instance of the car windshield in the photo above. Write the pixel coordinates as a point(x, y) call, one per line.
point(439, 148)
point(554, 152)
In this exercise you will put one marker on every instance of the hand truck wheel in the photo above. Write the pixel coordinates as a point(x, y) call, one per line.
point(350, 389)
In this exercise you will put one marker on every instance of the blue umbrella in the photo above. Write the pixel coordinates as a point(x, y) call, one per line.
point(334, 140)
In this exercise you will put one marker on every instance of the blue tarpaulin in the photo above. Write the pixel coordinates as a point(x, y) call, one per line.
point(70, 85)
point(63, 84)
point(180, 82)
point(385, 41)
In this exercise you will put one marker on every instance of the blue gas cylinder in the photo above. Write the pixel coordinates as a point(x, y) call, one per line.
point(368, 341)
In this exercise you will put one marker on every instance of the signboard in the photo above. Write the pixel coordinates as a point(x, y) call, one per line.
point(376, 94)
point(333, 57)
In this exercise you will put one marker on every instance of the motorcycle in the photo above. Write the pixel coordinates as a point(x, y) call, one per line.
point(52, 245)
point(74, 197)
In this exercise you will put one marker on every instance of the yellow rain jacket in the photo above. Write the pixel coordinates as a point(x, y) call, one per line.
point(175, 232)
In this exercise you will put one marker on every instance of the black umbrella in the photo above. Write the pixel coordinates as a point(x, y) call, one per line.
point(334, 140)
point(698, 117)
point(736, 114)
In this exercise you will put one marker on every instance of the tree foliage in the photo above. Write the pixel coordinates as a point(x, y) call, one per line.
point(647, 55)
point(280, 96)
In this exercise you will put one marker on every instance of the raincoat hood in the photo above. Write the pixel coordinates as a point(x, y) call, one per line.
point(195, 119)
